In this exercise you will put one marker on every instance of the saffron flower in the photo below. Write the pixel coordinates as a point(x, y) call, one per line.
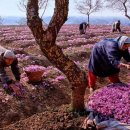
point(112, 100)
point(34, 68)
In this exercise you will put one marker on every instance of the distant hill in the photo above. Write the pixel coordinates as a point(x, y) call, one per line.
point(98, 20)
point(71, 20)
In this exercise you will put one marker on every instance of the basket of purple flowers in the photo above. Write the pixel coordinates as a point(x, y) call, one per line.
point(34, 73)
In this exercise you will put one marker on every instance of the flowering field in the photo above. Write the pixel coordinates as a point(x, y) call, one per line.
point(54, 91)
point(112, 101)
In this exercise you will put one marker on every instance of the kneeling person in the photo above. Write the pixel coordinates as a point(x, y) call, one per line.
point(8, 59)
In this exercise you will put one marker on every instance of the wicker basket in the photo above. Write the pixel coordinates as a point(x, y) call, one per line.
point(35, 76)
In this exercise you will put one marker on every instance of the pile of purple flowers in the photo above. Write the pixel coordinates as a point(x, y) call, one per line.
point(34, 68)
point(112, 100)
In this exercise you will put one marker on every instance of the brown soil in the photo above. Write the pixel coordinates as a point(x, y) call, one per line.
point(46, 104)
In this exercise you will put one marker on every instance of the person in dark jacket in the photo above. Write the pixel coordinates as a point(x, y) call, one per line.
point(8, 59)
point(116, 26)
point(105, 59)
point(82, 27)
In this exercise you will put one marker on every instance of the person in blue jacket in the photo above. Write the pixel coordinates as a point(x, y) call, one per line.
point(105, 59)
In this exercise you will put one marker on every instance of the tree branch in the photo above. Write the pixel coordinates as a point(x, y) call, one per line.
point(60, 15)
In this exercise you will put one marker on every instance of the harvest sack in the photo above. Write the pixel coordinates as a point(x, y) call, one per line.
point(93, 121)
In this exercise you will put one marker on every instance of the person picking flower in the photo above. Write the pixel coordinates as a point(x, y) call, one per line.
point(105, 59)
point(8, 59)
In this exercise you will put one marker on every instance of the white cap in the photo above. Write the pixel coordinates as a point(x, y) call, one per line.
point(123, 40)
point(127, 40)
point(9, 54)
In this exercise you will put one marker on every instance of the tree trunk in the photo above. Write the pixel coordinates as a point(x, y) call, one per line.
point(46, 40)
point(125, 9)
point(88, 20)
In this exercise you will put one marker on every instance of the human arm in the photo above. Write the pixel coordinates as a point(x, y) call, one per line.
point(15, 70)
point(3, 76)
point(16, 89)
point(124, 65)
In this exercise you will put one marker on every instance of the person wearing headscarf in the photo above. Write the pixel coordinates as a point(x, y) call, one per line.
point(8, 59)
point(105, 59)
point(116, 26)
point(82, 27)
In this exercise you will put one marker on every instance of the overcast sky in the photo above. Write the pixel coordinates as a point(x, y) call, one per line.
point(10, 8)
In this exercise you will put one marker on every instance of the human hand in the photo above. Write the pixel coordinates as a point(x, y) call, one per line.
point(128, 66)
point(125, 65)
point(15, 89)
point(5, 86)
point(17, 83)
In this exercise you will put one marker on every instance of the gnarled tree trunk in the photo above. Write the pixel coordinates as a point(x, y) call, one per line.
point(46, 40)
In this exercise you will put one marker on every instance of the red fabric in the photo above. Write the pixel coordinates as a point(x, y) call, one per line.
point(114, 78)
point(92, 79)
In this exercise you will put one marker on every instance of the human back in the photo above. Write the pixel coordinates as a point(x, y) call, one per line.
point(99, 62)
point(105, 60)
point(116, 26)
point(82, 27)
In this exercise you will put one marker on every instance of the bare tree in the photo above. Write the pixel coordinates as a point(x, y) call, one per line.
point(46, 40)
point(41, 3)
point(120, 5)
point(88, 7)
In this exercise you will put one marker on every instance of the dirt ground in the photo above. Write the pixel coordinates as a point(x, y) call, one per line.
point(46, 104)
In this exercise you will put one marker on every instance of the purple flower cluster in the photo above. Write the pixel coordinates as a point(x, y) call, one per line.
point(22, 57)
point(112, 100)
point(34, 68)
